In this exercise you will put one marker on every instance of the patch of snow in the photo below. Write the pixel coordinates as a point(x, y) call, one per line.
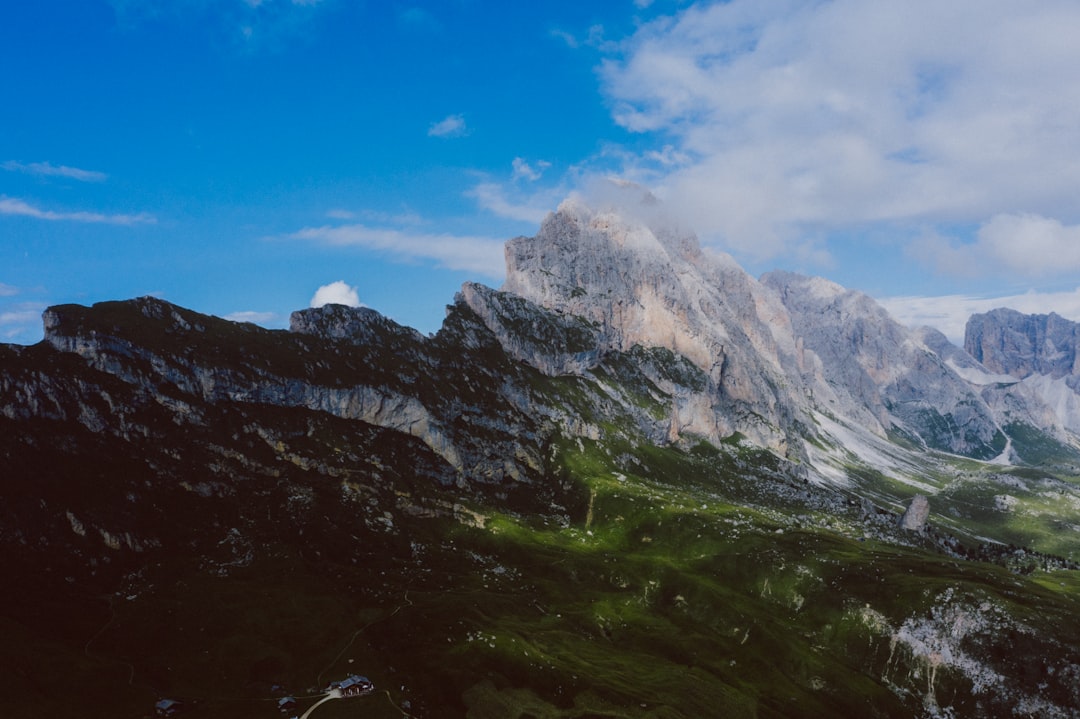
point(1057, 395)
point(977, 376)
point(868, 449)
point(1006, 457)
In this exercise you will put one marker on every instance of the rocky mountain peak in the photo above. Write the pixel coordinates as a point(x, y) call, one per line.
point(884, 376)
point(1009, 342)
point(625, 267)
point(359, 325)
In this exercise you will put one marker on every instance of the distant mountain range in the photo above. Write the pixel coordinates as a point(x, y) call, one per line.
point(634, 481)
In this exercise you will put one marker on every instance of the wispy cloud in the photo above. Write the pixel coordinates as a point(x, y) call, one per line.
point(789, 119)
point(405, 217)
point(524, 171)
point(522, 197)
point(449, 126)
point(8, 290)
point(13, 206)
point(21, 322)
point(46, 169)
point(949, 313)
point(496, 198)
point(566, 37)
point(258, 318)
point(594, 38)
point(456, 252)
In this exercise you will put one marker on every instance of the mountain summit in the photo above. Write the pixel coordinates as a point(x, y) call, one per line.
point(642, 281)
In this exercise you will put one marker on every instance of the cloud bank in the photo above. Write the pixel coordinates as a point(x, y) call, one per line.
point(1023, 244)
point(785, 120)
point(950, 313)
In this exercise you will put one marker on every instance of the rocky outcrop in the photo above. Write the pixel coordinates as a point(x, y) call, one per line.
point(1009, 342)
point(552, 342)
point(883, 375)
point(350, 363)
point(916, 514)
point(358, 325)
point(1037, 378)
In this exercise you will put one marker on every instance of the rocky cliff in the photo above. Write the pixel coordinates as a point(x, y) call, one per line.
point(884, 375)
point(1012, 343)
point(774, 352)
point(1041, 352)
point(641, 280)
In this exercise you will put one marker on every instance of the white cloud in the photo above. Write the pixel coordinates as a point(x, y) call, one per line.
point(449, 126)
point(949, 313)
point(336, 293)
point(1013, 244)
point(495, 198)
point(405, 217)
point(8, 290)
point(566, 37)
point(258, 318)
point(21, 322)
point(523, 197)
point(13, 206)
point(1031, 244)
point(469, 253)
point(594, 38)
point(792, 118)
point(45, 169)
point(16, 317)
point(524, 171)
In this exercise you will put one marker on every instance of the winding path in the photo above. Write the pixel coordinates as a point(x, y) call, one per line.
point(101, 657)
point(333, 694)
point(358, 632)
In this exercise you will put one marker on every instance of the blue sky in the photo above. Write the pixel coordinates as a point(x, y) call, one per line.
point(241, 157)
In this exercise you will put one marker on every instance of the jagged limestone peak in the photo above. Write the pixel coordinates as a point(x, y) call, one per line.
point(624, 265)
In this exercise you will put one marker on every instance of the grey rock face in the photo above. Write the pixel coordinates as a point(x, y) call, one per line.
point(1036, 365)
point(641, 280)
point(1009, 342)
point(359, 325)
point(554, 343)
point(774, 351)
point(371, 369)
point(915, 516)
point(882, 373)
